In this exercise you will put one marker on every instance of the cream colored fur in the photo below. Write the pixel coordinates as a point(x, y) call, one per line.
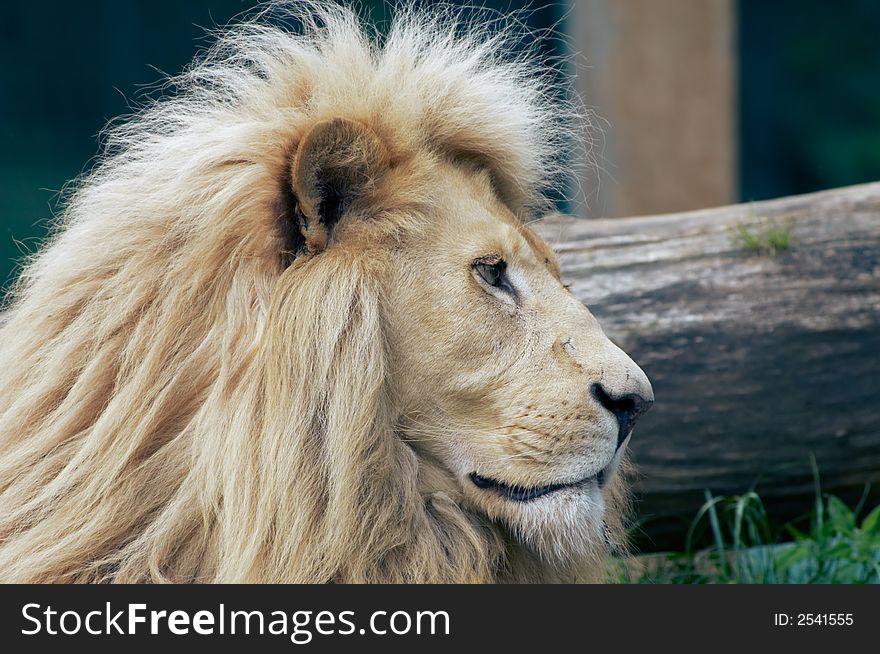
point(184, 398)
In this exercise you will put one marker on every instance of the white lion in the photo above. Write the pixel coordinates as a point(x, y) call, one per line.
point(293, 329)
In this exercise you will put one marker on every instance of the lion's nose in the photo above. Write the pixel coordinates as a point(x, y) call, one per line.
point(626, 408)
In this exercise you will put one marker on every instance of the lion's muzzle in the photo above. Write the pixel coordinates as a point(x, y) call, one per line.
point(626, 408)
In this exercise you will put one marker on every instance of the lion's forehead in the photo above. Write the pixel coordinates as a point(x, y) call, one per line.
point(480, 222)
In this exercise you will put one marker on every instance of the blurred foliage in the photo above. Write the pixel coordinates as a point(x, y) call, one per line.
point(809, 82)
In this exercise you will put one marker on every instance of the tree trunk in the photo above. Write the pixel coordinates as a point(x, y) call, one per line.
point(758, 356)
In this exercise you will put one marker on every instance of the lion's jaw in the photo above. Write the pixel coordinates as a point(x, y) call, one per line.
point(507, 387)
point(562, 520)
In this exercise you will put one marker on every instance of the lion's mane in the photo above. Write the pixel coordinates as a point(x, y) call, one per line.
point(183, 400)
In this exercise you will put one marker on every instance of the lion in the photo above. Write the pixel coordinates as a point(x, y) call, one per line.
point(293, 327)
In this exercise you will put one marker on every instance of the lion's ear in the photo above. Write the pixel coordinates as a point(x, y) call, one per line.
point(336, 164)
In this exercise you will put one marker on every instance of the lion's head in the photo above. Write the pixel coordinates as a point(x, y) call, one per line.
point(295, 328)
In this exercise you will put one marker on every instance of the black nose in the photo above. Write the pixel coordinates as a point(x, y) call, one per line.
point(626, 408)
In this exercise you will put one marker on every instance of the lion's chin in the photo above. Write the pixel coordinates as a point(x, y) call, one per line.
point(561, 522)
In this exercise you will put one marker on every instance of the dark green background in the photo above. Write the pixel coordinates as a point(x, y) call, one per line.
point(809, 90)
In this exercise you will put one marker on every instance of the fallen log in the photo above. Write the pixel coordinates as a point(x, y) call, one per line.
point(759, 326)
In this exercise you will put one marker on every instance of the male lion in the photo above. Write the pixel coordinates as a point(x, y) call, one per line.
point(293, 329)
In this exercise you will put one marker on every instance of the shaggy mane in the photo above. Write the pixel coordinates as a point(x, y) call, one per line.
point(164, 414)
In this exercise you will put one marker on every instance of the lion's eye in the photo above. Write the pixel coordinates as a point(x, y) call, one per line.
point(492, 271)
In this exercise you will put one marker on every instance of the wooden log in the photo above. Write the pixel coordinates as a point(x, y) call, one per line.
point(757, 358)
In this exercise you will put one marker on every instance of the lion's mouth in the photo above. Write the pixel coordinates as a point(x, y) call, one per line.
point(525, 493)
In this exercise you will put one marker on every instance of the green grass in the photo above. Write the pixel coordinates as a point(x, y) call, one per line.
point(832, 544)
point(769, 239)
point(778, 237)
